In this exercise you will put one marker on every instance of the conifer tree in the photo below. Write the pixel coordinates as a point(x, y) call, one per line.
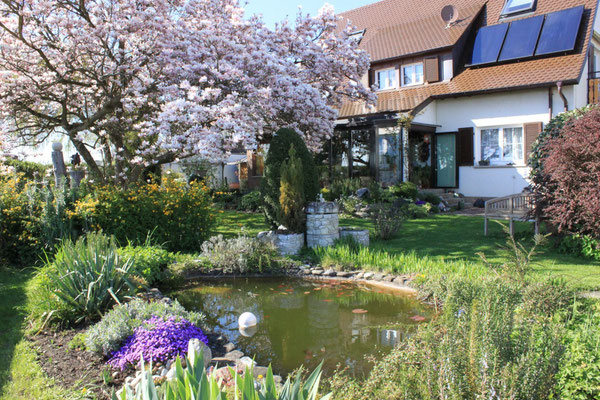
point(291, 197)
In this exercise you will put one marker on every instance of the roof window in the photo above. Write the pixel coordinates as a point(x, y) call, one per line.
point(357, 36)
point(517, 6)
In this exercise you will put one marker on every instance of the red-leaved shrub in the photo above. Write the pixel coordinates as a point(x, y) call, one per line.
point(572, 167)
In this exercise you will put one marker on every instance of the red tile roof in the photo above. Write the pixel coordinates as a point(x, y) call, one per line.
point(401, 27)
point(502, 77)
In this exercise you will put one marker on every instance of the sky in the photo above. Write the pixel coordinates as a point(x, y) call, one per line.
point(274, 11)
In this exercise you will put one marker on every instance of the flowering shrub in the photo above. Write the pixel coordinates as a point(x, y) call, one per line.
point(157, 340)
point(118, 324)
point(20, 232)
point(177, 214)
point(239, 255)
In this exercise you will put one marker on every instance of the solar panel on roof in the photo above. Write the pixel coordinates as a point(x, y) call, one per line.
point(560, 30)
point(488, 43)
point(521, 38)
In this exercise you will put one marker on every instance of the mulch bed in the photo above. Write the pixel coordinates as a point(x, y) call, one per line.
point(79, 369)
point(75, 368)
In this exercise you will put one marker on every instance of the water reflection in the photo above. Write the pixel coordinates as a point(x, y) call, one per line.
point(304, 322)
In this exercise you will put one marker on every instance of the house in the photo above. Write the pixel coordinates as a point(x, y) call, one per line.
point(464, 89)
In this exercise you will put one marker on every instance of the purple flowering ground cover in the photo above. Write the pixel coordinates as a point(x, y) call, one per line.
point(157, 340)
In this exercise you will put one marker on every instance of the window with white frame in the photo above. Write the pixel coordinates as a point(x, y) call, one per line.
point(517, 6)
point(386, 79)
point(412, 74)
point(501, 146)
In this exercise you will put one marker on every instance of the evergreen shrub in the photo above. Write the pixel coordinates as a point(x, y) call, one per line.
point(291, 198)
point(277, 155)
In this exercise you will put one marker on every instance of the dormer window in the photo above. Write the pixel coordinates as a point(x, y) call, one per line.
point(412, 74)
point(517, 7)
point(387, 79)
point(357, 36)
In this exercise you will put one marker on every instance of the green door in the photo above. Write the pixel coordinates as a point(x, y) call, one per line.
point(445, 160)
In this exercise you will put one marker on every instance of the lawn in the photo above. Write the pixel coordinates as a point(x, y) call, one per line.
point(450, 237)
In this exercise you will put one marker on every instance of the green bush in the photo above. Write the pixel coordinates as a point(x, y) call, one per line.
point(149, 262)
point(291, 198)
point(351, 204)
point(579, 376)
point(405, 190)
point(414, 211)
point(547, 297)
point(387, 220)
point(20, 228)
point(86, 278)
point(482, 346)
point(344, 187)
point(226, 198)
point(251, 201)
point(33, 217)
point(239, 255)
point(118, 324)
point(30, 170)
point(580, 245)
point(278, 153)
point(428, 197)
point(177, 214)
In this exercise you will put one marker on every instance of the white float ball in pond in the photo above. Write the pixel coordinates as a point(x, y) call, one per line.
point(246, 320)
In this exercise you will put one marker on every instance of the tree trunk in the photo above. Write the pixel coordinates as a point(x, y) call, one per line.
point(95, 171)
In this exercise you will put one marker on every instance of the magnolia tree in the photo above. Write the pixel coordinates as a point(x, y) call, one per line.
point(148, 82)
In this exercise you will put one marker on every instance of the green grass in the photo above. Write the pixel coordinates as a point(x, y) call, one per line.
point(451, 237)
point(21, 377)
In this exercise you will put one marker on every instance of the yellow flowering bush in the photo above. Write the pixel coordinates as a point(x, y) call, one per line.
point(176, 214)
point(32, 217)
point(19, 219)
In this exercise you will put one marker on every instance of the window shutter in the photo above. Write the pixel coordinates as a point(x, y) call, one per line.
point(532, 131)
point(432, 69)
point(465, 147)
point(371, 77)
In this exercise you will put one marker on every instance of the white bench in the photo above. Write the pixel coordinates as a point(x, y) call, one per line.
point(516, 206)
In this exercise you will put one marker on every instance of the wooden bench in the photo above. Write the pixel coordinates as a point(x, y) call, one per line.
point(516, 206)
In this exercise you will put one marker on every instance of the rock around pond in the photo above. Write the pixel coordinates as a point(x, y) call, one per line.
point(302, 322)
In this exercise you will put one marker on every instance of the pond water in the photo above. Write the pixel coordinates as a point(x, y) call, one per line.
point(302, 322)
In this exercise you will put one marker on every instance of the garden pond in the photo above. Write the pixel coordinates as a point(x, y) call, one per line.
point(302, 322)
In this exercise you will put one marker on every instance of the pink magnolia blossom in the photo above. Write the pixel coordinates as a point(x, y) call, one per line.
point(150, 81)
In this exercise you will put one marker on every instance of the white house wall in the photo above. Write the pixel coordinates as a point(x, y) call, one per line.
point(496, 110)
point(428, 115)
point(580, 95)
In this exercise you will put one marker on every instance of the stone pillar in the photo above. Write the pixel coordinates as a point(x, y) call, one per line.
point(60, 171)
point(322, 224)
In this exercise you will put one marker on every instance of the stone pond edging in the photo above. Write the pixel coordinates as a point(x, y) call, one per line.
point(399, 282)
